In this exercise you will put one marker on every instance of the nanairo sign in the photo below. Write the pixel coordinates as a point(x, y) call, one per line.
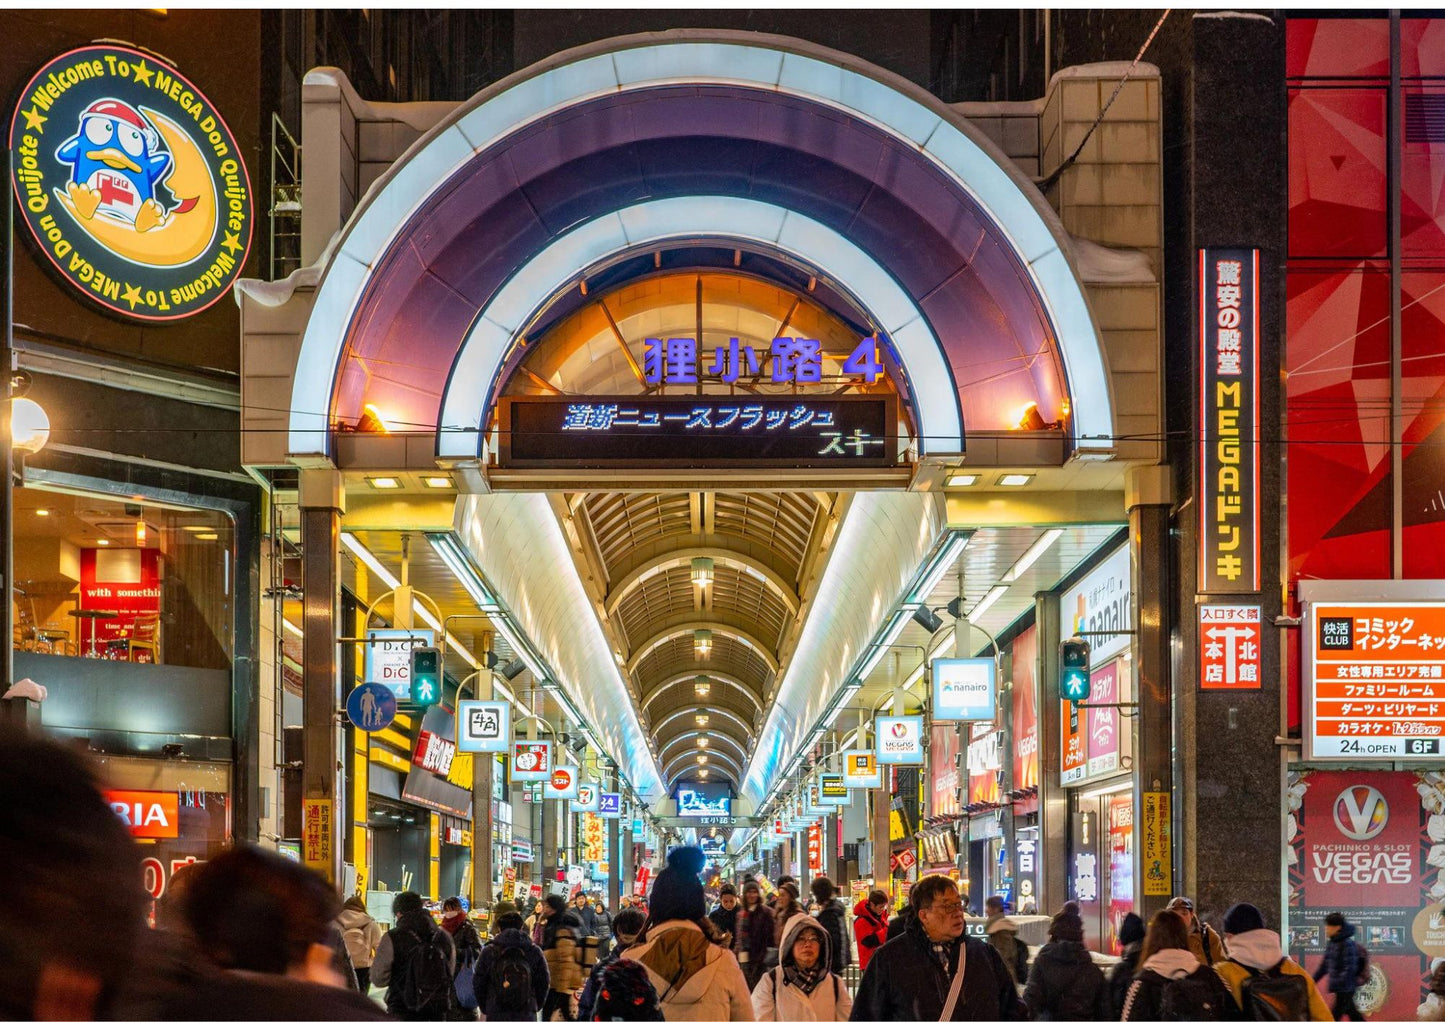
point(131, 183)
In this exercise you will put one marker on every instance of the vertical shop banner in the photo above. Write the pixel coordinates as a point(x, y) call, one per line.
point(1370, 844)
point(815, 848)
point(316, 833)
point(1121, 866)
point(1084, 868)
point(1101, 608)
point(1156, 860)
point(984, 762)
point(1230, 637)
point(118, 589)
point(1025, 710)
point(594, 838)
point(943, 779)
point(1075, 762)
point(1104, 722)
point(1228, 420)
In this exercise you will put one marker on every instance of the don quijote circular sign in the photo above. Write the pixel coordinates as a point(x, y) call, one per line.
point(131, 183)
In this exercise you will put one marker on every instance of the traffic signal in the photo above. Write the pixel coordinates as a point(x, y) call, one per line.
point(426, 675)
point(1074, 670)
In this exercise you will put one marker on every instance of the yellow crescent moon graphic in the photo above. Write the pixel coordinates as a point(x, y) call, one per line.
point(183, 236)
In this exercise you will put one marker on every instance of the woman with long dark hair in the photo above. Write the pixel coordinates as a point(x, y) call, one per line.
point(1171, 977)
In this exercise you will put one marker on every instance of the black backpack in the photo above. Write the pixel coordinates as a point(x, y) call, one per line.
point(1021, 960)
point(1275, 995)
point(424, 972)
point(625, 992)
point(1199, 995)
point(511, 990)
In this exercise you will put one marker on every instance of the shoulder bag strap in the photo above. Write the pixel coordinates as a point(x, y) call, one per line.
point(957, 987)
point(1129, 1001)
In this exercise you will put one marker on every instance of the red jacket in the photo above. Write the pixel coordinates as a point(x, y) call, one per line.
point(870, 929)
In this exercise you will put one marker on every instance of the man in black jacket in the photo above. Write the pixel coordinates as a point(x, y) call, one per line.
point(833, 914)
point(910, 977)
point(725, 916)
point(489, 968)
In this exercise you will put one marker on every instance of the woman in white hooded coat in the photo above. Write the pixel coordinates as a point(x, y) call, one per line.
point(801, 988)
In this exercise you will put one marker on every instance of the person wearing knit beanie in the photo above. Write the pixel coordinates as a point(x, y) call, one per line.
point(1242, 918)
point(677, 892)
point(1063, 980)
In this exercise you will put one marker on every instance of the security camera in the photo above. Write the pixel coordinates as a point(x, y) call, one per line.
point(172, 750)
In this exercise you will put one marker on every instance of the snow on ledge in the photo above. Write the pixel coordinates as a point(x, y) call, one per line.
point(1099, 264)
point(1106, 69)
point(1242, 15)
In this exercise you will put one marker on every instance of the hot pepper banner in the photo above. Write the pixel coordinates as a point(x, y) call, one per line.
point(1228, 420)
point(1370, 844)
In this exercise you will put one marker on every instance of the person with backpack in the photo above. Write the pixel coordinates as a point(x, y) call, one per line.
point(468, 944)
point(1203, 941)
point(362, 934)
point(1170, 983)
point(510, 981)
point(627, 927)
point(802, 987)
point(625, 994)
point(1262, 978)
point(1003, 933)
point(694, 978)
point(415, 961)
point(833, 914)
point(1064, 982)
point(1346, 963)
point(562, 947)
point(870, 925)
point(1131, 935)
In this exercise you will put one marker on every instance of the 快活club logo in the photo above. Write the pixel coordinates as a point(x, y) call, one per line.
point(131, 183)
point(1361, 812)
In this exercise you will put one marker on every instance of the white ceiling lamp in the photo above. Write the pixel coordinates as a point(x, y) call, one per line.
point(1032, 554)
point(701, 687)
point(702, 642)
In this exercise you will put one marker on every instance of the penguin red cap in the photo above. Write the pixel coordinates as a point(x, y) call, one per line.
point(118, 110)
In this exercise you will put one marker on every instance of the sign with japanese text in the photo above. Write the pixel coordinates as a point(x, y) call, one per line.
point(131, 183)
point(815, 848)
point(388, 657)
point(1084, 870)
point(531, 761)
point(1230, 636)
point(860, 770)
point(1370, 844)
point(943, 775)
point(842, 431)
point(1104, 723)
point(433, 753)
point(147, 814)
point(1228, 420)
point(609, 805)
point(594, 838)
point(316, 833)
point(484, 726)
point(1374, 680)
point(561, 783)
point(900, 740)
point(1156, 857)
point(1100, 608)
point(985, 759)
point(965, 689)
point(832, 790)
point(792, 360)
point(1075, 764)
point(1121, 866)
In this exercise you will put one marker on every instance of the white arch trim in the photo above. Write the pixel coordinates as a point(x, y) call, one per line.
point(691, 676)
point(712, 711)
point(749, 640)
point(683, 558)
point(718, 768)
point(713, 756)
point(787, 66)
point(723, 218)
point(711, 736)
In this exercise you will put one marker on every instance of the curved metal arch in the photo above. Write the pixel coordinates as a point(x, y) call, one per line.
point(721, 768)
point(693, 708)
point(690, 676)
point(709, 735)
point(749, 640)
point(720, 555)
point(813, 73)
point(690, 756)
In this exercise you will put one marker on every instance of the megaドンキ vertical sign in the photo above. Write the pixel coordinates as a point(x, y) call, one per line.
point(1228, 420)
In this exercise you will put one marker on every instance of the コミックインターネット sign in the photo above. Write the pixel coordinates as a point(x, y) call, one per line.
point(131, 183)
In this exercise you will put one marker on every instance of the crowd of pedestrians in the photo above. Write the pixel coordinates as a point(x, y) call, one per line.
point(250, 934)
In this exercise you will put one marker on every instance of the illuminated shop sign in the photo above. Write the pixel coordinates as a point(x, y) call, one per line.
point(433, 753)
point(833, 790)
point(965, 689)
point(1228, 420)
point(900, 740)
point(1230, 640)
point(531, 761)
point(561, 783)
point(793, 360)
point(485, 726)
point(131, 183)
point(1374, 680)
point(147, 814)
point(388, 657)
point(860, 770)
point(745, 430)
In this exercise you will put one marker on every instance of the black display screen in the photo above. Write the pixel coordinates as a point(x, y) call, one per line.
point(735, 431)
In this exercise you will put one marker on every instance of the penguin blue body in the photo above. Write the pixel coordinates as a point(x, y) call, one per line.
point(115, 142)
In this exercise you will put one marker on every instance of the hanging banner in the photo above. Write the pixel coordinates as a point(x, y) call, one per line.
point(484, 726)
point(589, 797)
point(609, 806)
point(984, 762)
point(388, 657)
point(531, 761)
point(1369, 844)
point(594, 838)
point(1230, 638)
point(860, 770)
point(1075, 764)
point(1121, 866)
point(832, 790)
point(965, 689)
point(1229, 534)
point(900, 740)
point(1025, 716)
point(815, 849)
point(1104, 722)
point(943, 776)
point(1155, 858)
point(561, 783)
point(131, 183)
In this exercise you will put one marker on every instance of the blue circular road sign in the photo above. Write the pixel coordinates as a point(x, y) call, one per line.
point(371, 707)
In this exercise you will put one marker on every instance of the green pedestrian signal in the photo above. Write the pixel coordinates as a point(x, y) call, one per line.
point(1074, 670)
point(426, 675)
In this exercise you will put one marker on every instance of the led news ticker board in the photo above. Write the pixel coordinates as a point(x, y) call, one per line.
point(740, 431)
